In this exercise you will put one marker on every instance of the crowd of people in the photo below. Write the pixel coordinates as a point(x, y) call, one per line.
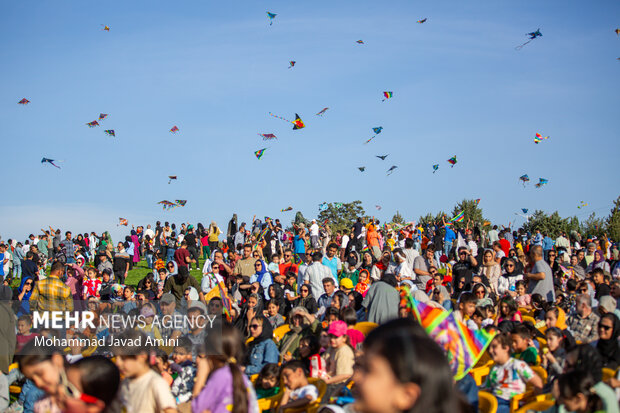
point(308, 317)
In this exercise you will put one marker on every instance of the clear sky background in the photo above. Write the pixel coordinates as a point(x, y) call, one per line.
point(216, 69)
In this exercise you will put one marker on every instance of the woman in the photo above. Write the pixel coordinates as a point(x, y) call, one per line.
point(355, 302)
point(363, 283)
point(262, 276)
point(490, 269)
point(368, 262)
point(136, 247)
point(214, 235)
point(351, 267)
point(508, 310)
point(130, 249)
point(261, 350)
point(607, 345)
point(24, 292)
point(598, 262)
point(252, 307)
point(510, 275)
point(276, 295)
point(148, 283)
point(306, 299)
point(302, 324)
point(340, 300)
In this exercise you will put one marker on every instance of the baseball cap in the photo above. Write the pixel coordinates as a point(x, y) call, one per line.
point(199, 305)
point(346, 283)
point(337, 328)
point(167, 298)
point(608, 303)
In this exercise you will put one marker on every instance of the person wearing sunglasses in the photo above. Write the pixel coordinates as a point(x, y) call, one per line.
point(262, 349)
point(607, 344)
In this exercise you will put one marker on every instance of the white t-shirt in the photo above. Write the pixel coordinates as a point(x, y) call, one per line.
point(344, 242)
point(147, 394)
point(304, 391)
point(314, 230)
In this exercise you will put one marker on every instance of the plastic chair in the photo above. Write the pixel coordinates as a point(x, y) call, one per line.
point(542, 373)
point(487, 403)
point(608, 373)
point(537, 406)
point(365, 327)
point(279, 332)
point(526, 398)
point(479, 373)
point(314, 406)
point(528, 318)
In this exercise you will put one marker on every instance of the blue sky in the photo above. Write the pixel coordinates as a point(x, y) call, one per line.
point(216, 69)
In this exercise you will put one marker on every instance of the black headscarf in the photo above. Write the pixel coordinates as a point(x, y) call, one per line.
point(266, 334)
point(609, 349)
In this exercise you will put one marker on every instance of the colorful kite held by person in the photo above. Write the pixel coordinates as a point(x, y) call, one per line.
point(323, 207)
point(288, 208)
point(271, 17)
point(387, 95)
point(297, 123)
point(422, 20)
point(524, 179)
point(361, 168)
point(105, 28)
point(435, 167)
point(102, 116)
point(524, 210)
point(322, 112)
point(174, 129)
point(359, 42)
point(291, 63)
point(377, 130)
point(122, 221)
point(617, 32)
point(171, 178)
point(541, 182)
point(378, 207)
point(452, 161)
point(92, 124)
point(582, 205)
point(391, 170)
point(458, 217)
point(539, 138)
point(259, 153)
point(110, 132)
point(532, 36)
point(24, 101)
point(268, 136)
point(180, 202)
point(382, 157)
point(50, 161)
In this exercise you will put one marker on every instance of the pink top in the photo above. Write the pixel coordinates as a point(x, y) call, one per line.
point(355, 336)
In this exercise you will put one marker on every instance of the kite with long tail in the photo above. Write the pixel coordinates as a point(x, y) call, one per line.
point(50, 161)
point(297, 123)
point(377, 131)
point(532, 35)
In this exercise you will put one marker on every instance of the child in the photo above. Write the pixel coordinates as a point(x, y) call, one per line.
point(403, 370)
point(508, 310)
point(478, 317)
point(298, 392)
point(273, 314)
point(309, 352)
point(162, 275)
point(267, 381)
point(508, 376)
point(183, 385)
point(356, 337)
point(24, 335)
point(523, 300)
point(466, 308)
point(274, 265)
point(576, 392)
point(162, 365)
point(44, 367)
point(92, 285)
point(142, 390)
point(521, 337)
point(339, 357)
point(554, 355)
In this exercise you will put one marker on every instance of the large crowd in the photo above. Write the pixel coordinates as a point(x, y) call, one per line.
point(307, 319)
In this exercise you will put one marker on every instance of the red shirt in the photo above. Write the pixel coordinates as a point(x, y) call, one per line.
point(180, 255)
point(286, 267)
point(505, 246)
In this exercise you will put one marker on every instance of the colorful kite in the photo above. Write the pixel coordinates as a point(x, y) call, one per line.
point(102, 116)
point(541, 182)
point(171, 178)
point(122, 221)
point(92, 124)
point(477, 201)
point(382, 157)
point(582, 205)
point(539, 138)
point(323, 207)
point(291, 63)
point(532, 36)
point(50, 161)
point(105, 28)
point(259, 153)
point(271, 17)
point(423, 20)
point(377, 131)
point(387, 95)
point(524, 179)
point(458, 217)
point(289, 208)
point(24, 101)
point(174, 129)
point(297, 123)
point(110, 132)
point(166, 204)
point(452, 161)
point(524, 210)
point(435, 167)
point(378, 207)
point(362, 168)
point(180, 202)
point(359, 42)
point(391, 170)
point(268, 136)
point(322, 112)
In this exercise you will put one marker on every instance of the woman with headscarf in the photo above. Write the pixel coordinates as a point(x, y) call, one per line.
point(306, 299)
point(490, 269)
point(275, 294)
point(232, 229)
point(302, 324)
point(261, 350)
point(506, 284)
point(136, 247)
point(363, 282)
point(262, 276)
point(607, 345)
point(368, 262)
point(598, 262)
point(351, 266)
point(24, 291)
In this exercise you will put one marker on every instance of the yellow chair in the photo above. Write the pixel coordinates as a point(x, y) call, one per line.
point(542, 373)
point(479, 373)
point(314, 406)
point(528, 318)
point(537, 406)
point(14, 389)
point(365, 327)
point(279, 332)
point(608, 373)
point(487, 403)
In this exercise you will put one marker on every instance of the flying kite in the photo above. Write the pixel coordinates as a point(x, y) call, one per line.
point(539, 138)
point(271, 17)
point(378, 207)
point(105, 28)
point(259, 153)
point(291, 63)
point(382, 157)
point(110, 132)
point(387, 95)
point(541, 182)
point(532, 36)
point(122, 221)
point(435, 167)
point(377, 131)
point(423, 20)
point(478, 201)
point(617, 32)
point(359, 42)
point(323, 207)
point(50, 161)
point(392, 168)
point(171, 178)
point(268, 136)
point(166, 204)
point(322, 112)
point(524, 210)
point(289, 208)
point(458, 217)
point(93, 124)
point(297, 123)
point(452, 161)
point(362, 168)
point(102, 116)
point(174, 129)
point(524, 178)
point(180, 202)
point(582, 205)
point(24, 101)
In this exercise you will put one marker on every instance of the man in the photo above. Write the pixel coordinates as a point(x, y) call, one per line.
point(245, 266)
point(358, 235)
point(315, 274)
point(331, 261)
point(410, 252)
point(615, 292)
point(448, 240)
point(562, 242)
point(344, 243)
point(463, 269)
point(42, 245)
point(190, 239)
point(590, 253)
point(584, 324)
point(288, 264)
point(3, 259)
point(382, 300)
point(547, 244)
point(314, 234)
point(121, 263)
point(51, 294)
point(493, 235)
point(598, 276)
point(30, 267)
point(422, 264)
point(171, 318)
point(325, 300)
point(148, 231)
point(179, 282)
point(503, 242)
point(182, 257)
point(299, 244)
point(540, 276)
point(239, 238)
point(69, 248)
point(104, 264)
point(225, 270)
point(538, 238)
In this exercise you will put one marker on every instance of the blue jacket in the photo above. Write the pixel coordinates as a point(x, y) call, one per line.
point(261, 354)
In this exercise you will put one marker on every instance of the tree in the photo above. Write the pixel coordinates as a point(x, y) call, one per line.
point(552, 224)
point(299, 219)
point(398, 219)
point(473, 213)
point(341, 217)
point(593, 226)
point(613, 221)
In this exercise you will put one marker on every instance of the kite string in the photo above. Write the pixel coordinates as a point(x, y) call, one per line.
point(521, 46)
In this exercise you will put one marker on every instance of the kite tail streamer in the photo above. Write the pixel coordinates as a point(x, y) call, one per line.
point(521, 46)
point(280, 117)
